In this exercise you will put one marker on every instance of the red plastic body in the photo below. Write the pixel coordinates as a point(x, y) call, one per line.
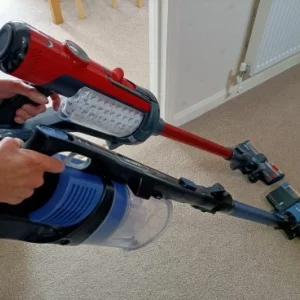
point(182, 136)
point(47, 59)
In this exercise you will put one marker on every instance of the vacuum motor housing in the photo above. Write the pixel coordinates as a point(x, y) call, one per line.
point(124, 110)
point(83, 208)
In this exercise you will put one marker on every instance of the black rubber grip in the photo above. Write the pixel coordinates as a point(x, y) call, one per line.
point(9, 106)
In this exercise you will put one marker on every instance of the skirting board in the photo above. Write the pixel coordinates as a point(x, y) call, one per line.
point(198, 109)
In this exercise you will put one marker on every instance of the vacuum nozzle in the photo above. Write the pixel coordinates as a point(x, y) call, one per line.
point(254, 164)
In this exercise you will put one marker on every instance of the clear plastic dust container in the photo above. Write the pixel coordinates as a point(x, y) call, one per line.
point(100, 112)
point(132, 222)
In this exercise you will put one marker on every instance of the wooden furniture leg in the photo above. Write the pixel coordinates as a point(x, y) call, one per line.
point(115, 3)
point(139, 3)
point(56, 11)
point(80, 10)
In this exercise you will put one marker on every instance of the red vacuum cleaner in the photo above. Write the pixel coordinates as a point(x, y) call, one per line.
point(98, 101)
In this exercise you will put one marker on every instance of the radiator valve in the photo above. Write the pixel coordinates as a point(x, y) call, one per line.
point(240, 76)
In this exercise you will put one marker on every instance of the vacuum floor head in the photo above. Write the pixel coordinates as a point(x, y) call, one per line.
point(254, 164)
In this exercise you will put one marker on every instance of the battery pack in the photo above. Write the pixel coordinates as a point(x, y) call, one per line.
point(283, 197)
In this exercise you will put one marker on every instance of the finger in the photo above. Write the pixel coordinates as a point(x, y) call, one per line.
point(36, 181)
point(19, 142)
point(21, 195)
point(19, 120)
point(10, 143)
point(52, 165)
point(23, 115)
point(20, 87)
point(56, 101)
point(47, 163)
point(33, 110)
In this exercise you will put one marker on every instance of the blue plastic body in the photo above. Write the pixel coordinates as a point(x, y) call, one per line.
point(76, 196)
point(254, 214)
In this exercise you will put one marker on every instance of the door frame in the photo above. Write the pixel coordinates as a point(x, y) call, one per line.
point(158, 43)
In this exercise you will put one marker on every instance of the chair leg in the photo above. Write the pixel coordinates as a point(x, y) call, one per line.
point(115, 3)
point(56, 11)
point(139, 3)
point(80, 10)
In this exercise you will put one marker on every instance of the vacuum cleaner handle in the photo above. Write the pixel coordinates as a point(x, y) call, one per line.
point(51, 141)
point(10, 106)
point(143, 181)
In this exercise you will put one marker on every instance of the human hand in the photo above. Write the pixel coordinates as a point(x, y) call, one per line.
point(22, 171)
point(11, 87)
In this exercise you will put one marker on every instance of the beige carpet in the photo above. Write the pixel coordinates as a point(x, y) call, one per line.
point(200, 256)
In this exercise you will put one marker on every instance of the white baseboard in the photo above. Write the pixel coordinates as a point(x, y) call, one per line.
point(198, 109)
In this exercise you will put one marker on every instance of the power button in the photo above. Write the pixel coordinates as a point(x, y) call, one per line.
point(76, 51)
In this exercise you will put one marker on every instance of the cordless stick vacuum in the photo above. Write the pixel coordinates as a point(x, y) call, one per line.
point(110, 200)
point(98, 101)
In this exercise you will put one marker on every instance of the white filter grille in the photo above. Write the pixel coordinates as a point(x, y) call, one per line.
point(99, 112)
point(275, 35)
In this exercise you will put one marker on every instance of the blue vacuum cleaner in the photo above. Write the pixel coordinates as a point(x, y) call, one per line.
point(106, 199)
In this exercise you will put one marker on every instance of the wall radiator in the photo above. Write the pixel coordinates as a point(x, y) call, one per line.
point(275, 35)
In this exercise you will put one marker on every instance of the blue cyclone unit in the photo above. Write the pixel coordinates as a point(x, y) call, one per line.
point(76, 196)
point(114, 218)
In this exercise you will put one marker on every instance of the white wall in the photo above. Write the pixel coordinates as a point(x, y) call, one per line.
point(204, 44)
